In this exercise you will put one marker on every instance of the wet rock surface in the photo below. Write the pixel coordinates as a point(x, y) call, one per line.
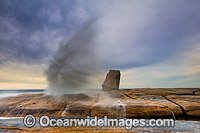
point(179, 103)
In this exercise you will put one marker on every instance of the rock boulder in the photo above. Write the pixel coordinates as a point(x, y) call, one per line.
point(112, 81)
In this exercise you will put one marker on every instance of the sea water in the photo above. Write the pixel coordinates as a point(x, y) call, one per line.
point(10, 93)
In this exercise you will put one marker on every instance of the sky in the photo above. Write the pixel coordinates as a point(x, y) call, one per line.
point(153, 43)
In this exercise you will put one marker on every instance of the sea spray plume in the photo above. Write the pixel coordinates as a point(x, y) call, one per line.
point(73, 63)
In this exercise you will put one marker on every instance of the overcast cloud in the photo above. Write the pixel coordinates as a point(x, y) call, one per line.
point(129, 35)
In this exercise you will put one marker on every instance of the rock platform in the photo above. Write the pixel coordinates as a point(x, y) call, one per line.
point(177, 103)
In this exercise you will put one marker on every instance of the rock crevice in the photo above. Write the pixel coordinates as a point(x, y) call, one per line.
point(182, 109)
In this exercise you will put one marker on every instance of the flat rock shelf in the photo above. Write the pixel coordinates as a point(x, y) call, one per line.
point(177, 103)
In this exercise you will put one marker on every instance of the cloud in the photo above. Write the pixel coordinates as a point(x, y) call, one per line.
point(181, 71)
point(155, 40)
point(31, 32)
point(22, 76)
point(140, 33)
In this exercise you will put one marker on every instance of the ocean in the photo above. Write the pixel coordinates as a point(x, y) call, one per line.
point(8, 93)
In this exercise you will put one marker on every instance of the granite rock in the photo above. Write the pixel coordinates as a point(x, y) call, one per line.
point(112, 81)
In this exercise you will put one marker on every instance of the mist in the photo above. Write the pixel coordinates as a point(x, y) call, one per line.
point(74, 62)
